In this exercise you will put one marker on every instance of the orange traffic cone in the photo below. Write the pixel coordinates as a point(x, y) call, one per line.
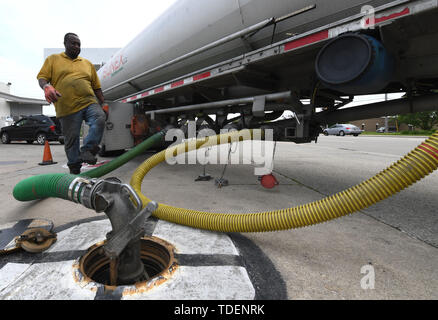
point(47, 157)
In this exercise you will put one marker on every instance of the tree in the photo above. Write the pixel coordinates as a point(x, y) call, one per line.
point(423, 120)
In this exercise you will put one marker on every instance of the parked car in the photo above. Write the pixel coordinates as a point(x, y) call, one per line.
point(58, 129)
point(342, 130)
point(33, 128)
point(390, 129)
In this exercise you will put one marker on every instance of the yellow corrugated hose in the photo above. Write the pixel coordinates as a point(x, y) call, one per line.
point(419, 163)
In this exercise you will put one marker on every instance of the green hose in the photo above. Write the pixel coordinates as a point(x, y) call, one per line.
point(56, 185)
point(124, 158)
point(44, 186)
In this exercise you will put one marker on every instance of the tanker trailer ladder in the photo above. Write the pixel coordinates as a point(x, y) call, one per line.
point(271, 54)
point(416, 165)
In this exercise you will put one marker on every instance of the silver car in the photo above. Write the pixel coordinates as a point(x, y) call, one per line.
point(342, 130)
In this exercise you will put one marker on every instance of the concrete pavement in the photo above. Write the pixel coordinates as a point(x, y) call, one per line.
point(395, 241)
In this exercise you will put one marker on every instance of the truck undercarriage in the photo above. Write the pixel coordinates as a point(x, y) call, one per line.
point(311, 76)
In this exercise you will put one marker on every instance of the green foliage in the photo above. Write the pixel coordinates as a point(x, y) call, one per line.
point(418, 133)
point(423, 120)
point(401, 133)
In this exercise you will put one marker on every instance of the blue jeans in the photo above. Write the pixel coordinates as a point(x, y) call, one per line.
point(94, 117)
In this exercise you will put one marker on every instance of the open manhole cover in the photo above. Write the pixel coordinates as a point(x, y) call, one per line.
point(184, 263)
point(157, 257)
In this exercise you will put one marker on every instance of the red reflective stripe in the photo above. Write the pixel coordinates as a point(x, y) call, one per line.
point(202, 76)
point(306, 40)
point(159, 90)
point(132, 98)
point(394, 15)
point(434, 153)
point(145, 94)
point(177, 84)
point(125, 100)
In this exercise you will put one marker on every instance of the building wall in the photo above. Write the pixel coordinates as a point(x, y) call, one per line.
point(18, 109)
point(13, 107)
point(5, 113)
point(5, 110)
point(375, 123)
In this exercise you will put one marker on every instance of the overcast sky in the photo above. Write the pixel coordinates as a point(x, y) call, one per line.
point(29, 26)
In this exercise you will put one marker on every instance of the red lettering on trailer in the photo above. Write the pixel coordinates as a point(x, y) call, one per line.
point(177, 84)
point(201, 76)
point(316, 37)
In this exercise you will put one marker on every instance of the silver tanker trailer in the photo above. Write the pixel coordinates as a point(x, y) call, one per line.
point(243, 63)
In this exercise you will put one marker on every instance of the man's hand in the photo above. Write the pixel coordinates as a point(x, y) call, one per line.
point(105, 108)
point(51, 94)
point(99, 95)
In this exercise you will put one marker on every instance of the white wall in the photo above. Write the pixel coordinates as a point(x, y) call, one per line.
point(5, 110)
point(18, 110)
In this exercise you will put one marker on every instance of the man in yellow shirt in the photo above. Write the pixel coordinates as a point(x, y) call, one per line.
point(71, 83)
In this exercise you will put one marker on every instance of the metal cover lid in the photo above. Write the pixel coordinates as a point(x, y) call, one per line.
point(10, 231)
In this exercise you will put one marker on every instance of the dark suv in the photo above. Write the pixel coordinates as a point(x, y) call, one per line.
point(31, 128)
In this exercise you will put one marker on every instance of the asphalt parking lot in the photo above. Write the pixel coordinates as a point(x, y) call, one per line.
point(387, 251)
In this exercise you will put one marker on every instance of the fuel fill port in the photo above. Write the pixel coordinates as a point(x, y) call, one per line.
point(125, 258)
point(157, 257)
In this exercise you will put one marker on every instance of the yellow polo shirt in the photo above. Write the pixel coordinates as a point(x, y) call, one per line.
point(75, 80)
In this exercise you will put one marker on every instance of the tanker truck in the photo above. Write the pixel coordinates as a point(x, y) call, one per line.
point(234, 64)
